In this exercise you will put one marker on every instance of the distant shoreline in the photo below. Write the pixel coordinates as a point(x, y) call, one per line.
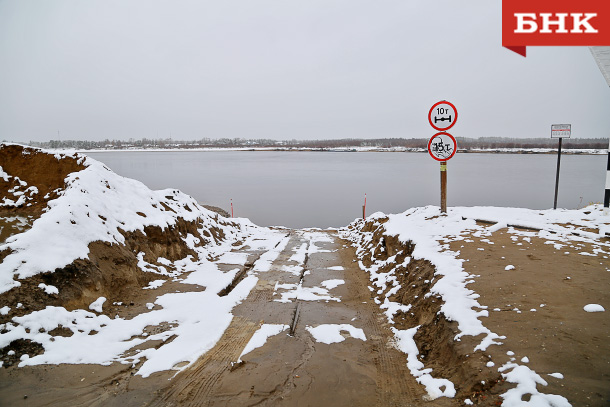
point(574, 151)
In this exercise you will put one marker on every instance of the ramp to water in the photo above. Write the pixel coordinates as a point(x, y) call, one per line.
point(315, 289)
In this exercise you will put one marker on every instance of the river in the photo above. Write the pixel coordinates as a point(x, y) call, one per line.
point(326, 189)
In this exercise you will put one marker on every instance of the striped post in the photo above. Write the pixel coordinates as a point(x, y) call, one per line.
point(364, 208)
point(607, 192)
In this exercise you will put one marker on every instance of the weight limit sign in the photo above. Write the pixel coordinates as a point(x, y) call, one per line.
point(442, 146)
point(442, 116)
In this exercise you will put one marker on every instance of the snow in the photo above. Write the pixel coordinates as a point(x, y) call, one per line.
point(330, 284)
point(594, 308)
point(260, 337)
point(423, 227)
point(331, 333)
point(556, 375)
point(265, 261)
point(298, 292)
point(431, 234)
point(527, 381)
point(98, 205)
point(233, 258)
point(154, 284)
point(97, 304)
point(196, 332)
point(91, 208)
point(49, 289)
point(435, 387)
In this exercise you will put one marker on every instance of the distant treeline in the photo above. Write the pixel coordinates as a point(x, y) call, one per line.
point(463, 143)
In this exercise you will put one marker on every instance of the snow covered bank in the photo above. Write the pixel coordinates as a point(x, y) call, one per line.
point(423, 289)
point(69, 278)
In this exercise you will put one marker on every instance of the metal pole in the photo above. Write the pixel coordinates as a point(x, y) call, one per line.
point(557, 176)
point(443, 186)
point(607, 191)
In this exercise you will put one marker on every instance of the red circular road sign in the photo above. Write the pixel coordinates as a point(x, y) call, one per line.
point(442, 146)
point(442, 115)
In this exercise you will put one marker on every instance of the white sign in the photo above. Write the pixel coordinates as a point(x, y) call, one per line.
point(442, 146)
point(561, 130)
point(442, 115)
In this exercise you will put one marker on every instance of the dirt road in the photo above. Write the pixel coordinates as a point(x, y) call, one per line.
point(313, 283)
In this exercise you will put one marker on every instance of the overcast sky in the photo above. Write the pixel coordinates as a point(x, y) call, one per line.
point(282, 69)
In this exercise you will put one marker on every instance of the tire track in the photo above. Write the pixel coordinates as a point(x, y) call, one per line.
point(194, 386)
point(396, 386)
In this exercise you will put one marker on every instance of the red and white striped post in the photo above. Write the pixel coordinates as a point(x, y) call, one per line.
point(364, 208)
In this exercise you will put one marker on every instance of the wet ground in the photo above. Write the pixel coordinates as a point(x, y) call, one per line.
point(313, 282)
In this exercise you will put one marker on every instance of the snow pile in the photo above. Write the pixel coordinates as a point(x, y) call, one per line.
point(428, 233)
point(424, 228)
point(98, 304)
point(594, 308)
point(190, 323)
point(98, 205)
point(526, 381)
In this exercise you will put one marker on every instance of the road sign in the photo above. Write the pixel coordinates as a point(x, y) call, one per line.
point(561, 130)
point(442, 146)
point(442, 115)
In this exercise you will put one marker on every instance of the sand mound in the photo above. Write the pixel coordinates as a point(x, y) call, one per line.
point(29, 178)
point(95, 234)
point(411, 287)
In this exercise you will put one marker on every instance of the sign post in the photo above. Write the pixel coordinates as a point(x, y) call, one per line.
point(442, 146)
point(559, 131)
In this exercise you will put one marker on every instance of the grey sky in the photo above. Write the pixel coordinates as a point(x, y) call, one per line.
point(281, 69)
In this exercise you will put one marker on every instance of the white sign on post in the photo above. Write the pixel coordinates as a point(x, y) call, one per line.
point(442, 146)
point(561, 130)
point(442, 115)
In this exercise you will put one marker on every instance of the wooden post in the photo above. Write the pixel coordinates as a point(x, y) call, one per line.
point(231, 207)
point(443, 186)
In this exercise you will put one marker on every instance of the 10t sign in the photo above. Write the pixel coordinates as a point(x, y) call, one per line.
point(442, 146)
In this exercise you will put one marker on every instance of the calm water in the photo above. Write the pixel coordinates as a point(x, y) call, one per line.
point(322, 189)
